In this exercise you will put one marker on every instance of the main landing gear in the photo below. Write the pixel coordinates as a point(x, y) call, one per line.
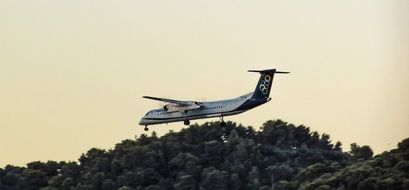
point(186, 122)
point(146, 128)
point(222, 123)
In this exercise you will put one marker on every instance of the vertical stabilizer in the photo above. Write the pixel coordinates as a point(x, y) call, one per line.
point(265, 82)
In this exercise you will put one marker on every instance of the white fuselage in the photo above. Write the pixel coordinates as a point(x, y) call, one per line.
point(206, 110)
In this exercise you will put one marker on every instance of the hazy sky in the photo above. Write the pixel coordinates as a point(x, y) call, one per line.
point(72, 73)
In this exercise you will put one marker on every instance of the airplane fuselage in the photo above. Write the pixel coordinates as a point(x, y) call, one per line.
point(207, 110)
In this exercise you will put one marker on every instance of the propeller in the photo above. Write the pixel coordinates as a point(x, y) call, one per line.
point(202, 99)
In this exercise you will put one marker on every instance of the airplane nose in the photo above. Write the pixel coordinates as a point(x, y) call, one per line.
point(142, 122)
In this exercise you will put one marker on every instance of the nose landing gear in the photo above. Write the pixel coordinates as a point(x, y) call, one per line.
point(146, 128)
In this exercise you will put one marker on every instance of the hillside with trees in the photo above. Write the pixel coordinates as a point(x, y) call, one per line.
point(208, 157)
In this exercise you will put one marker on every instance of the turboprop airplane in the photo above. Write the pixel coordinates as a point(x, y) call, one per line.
point(185, 110)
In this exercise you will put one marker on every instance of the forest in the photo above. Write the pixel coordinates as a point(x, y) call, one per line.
point(278, 156)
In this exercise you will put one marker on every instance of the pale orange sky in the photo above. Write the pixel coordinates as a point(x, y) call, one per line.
point(72, 73)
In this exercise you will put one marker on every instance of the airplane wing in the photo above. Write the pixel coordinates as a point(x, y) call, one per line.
point(178, 102)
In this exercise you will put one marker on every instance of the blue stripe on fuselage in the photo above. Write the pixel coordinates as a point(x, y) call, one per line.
point(249, 104)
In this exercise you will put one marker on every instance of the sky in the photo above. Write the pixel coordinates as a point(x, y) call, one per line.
point(72, 73)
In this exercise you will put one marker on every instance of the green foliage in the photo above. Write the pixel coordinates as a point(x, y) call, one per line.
point(213, 179)
point(404, 145)
point(201, 157)
point(361, 152)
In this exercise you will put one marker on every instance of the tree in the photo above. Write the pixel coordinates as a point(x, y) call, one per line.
point(201, 157)
point(361, 152)
point(185, 182)
point(404, 145)
point(253, 179)
point(213, 179)
point(235, 182)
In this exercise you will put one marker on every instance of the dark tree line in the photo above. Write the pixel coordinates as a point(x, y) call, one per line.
point(208, 157)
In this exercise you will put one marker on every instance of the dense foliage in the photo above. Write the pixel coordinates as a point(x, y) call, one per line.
point(279, 156)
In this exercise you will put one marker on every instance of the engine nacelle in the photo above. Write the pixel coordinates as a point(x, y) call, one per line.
point(181, 108)
point(168, 107)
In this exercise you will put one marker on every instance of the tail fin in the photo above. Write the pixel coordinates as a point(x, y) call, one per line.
point(265, 82)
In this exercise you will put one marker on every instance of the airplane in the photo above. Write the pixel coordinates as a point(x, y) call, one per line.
point(186, 110)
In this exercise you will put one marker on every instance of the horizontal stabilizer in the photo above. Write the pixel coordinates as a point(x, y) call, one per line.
point(268, 71)
point(281, 72)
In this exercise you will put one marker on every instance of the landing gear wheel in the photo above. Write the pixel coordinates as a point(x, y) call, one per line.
point(186, 122)
point(222, 123)
point(146, 128)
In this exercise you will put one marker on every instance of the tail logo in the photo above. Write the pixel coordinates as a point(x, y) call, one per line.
point(265, 84)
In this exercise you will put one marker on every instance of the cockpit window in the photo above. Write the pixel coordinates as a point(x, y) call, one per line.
point(147, 114)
